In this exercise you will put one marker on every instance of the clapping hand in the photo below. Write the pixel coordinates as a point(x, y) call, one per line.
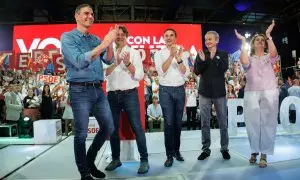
point(173, 51)
point(201, 55)
point(111, 35)
point(126, 59)
point(178, 55)
point(118, 57)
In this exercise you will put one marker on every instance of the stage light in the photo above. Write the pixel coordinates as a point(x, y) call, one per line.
point(242, 5)
point(26, 118)
point(25, 127)
point(247, 35)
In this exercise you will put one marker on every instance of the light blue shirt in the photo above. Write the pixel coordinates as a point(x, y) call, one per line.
point(77, 50)
point(153, 111)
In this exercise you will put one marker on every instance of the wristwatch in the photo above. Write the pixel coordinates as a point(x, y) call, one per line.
point(127, 65)
point(269, 38)
point(180, 62)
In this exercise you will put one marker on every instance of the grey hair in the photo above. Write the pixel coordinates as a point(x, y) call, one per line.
point(78, 8)
point(214, 33)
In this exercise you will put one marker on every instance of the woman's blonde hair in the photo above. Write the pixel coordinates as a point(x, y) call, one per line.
point(252, 51)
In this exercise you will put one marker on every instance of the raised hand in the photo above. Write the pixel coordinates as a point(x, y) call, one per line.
point(201, 55)
point(119, 58)
point(111, 35)
point(270, 28)
point(173, 51)
point(126, 59)
point(239, 36)
point(178, 55)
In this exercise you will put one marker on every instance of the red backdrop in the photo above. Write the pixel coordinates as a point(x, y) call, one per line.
point(144, 37)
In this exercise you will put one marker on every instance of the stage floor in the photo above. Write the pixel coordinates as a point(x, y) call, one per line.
point(58, 162)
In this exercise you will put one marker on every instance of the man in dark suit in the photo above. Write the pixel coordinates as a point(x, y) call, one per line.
point(212, 65)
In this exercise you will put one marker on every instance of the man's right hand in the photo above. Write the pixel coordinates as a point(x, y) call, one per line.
point(173, 51)
point(201, 55)
point(111, 35)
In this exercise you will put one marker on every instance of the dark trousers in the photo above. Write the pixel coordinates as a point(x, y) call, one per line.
point(129, 102)
point(191, 113)
point(172, 101)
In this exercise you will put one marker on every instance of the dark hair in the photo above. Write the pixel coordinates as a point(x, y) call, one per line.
point(124, 29)
point(78, 8)
point(154, 97)
point(44, 91)
point(170, 29)
point(252, 43)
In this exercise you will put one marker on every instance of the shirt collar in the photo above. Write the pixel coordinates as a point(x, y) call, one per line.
point(124, 48)
point(80, 34)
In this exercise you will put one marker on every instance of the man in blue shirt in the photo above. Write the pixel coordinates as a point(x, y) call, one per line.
point(83, 53)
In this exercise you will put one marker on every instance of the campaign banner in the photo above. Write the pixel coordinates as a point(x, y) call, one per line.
point(146, 38)
point(48, 79)
point(7, 60)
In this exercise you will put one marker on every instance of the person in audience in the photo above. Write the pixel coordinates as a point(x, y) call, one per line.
point(155, 87)
point(261, 94)
point(155, 115)
point(46, 104)
point(294, 91)
point(191, 104)
point(31, 105)
point(83, 56)
point(14, 106)
point(242, 88)
point(147, 91)
point(283, 93)
point(172, 70)
point(68, 113)
point(127, 68)
point(212, 65)
point(230, 92)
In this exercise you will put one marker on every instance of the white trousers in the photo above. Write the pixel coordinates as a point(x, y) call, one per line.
point(260, 112)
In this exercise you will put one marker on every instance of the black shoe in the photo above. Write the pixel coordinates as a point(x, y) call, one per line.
point(113, 165)
point(93, 169)
point(88, 177)
point(225, 155)
point(96, 173)
point(178, 156)
point(203, 156)
point(169, 162)
point(144, 167)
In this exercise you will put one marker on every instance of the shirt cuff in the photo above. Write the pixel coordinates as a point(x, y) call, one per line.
point(88, 57)
point(245, 66)
point(104, 59)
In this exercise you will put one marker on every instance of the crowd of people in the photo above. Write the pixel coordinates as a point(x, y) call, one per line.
point(174, 90)
point(23, 95)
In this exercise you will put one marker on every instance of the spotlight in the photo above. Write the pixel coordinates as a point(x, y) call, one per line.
point(247, 35)
point(25, 127)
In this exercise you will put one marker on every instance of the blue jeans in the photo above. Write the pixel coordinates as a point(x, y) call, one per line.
point(129, 102)
point(172, 101)
point(86, 99)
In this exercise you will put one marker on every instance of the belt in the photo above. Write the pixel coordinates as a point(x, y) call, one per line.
point(124, 91)
point(86, 84)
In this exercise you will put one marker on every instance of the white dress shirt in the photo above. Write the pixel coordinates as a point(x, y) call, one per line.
point(121, 78)
point(173, 76)
point(191, 97)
